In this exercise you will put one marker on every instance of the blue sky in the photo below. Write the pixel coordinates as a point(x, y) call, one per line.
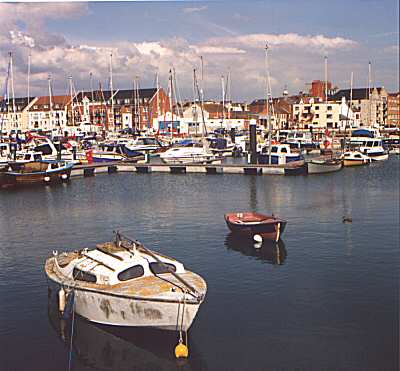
point(146, 37)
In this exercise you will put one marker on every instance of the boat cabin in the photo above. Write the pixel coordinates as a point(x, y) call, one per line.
point(110, 265)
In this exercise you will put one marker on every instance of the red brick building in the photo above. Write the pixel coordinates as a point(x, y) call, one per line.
point(393, 109)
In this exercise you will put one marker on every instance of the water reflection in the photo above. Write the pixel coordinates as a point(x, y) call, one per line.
point(268, 251)
point(116, 348)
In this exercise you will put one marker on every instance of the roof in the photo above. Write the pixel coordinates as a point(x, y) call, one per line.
point(119, 94)
point(20, 103)
point(358, 93)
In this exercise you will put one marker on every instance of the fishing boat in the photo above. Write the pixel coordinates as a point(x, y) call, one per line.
point(366, 142)
point(355, 158)
point(320, 166)
point(249, 223)
point(281, 154)
point(37, 172)
point(123, 283)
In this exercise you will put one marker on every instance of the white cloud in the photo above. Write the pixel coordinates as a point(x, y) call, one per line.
point(19, 38)
point(209, 49)
point(194, 9)
point(311, 43)
point(295, 59)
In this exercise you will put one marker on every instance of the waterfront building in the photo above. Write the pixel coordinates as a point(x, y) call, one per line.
point(49, 114)
point(135, 109)
point(393, 110)
point(372, 107)
point(14, 114)
point(317, 115)
point(318, 88)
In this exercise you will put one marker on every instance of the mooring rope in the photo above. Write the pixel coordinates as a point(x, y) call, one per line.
point(72, 332)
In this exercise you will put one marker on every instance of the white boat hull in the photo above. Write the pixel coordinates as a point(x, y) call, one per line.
point(382, 157)
point(321, 168)
point(119, 310)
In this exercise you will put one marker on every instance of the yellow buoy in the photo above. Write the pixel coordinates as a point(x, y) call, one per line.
point(181, 350)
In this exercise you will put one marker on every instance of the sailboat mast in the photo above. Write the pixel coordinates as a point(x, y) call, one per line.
point(369, 94)
point(229, 94)
point(170, 104)
point(326, 79)
point(112, 93)
point(50, 102)
point(223, 100)
point(12, 92)
point(72, 100)
point(269, 97)
point(194, 106)
point(29, 80)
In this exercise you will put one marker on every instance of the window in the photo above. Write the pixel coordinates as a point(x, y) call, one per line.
point(284, 150)
point(84, 276)
point(317, 115)
point(129, 274)
point(329, 108)
point(316, 108)
point(45, 106)
point(126, 101)
point(158, 268)
point(329, 116)
point(296, 108)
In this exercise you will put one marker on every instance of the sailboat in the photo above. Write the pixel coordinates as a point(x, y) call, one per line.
point(190, 152)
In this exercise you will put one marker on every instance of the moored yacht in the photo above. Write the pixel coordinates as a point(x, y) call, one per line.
point(123, 283)
point(281, 154)
point(189, 152)
point(355, 158)
point(115, 152)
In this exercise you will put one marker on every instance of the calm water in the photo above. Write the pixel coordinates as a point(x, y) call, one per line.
point(327, 299)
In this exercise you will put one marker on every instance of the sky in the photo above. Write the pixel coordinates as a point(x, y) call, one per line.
point(149, 38)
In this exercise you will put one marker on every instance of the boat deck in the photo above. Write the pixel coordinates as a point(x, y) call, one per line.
point(160, 286)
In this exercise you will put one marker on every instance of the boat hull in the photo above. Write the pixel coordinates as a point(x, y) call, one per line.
point(269, 231)
point(118, 310)
point(46, 177)
point(379, 157)
point(354, 162)
point(323, 167)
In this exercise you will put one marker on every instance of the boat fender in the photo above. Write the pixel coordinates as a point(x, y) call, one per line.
point(69, 305)
point(181, 350)
point(257, 238)
point(61, 300)
point(64, 176)
point(258, 245)
point(47, 179)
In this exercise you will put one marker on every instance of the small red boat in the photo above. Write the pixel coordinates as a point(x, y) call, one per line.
point(250, 224)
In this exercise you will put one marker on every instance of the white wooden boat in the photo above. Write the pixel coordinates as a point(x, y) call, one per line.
point(123, 283)
point(355, 158)
point(321, 166)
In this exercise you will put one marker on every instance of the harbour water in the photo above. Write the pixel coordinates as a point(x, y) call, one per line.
point(326, 299)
